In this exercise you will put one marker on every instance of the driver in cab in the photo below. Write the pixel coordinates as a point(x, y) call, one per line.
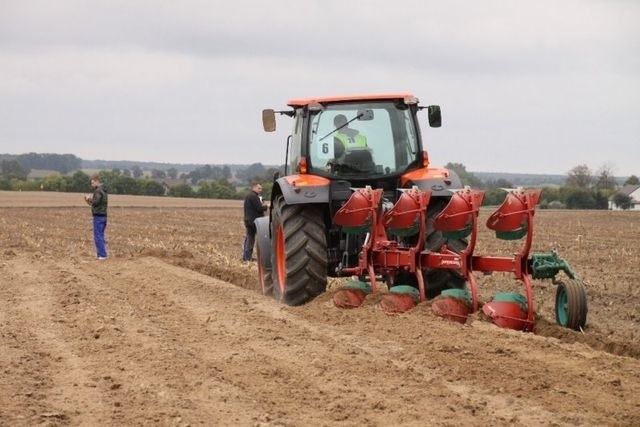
point(346, 138)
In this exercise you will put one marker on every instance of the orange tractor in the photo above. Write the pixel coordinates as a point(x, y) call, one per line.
point(359, 199)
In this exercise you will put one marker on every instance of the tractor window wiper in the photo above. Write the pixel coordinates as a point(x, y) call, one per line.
point(344, 125)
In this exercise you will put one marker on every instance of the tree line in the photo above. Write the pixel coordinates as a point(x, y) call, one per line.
point(24, 163)
point(212, 182)
point(583, 189)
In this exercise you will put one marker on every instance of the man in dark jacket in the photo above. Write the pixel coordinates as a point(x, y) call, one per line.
point(253, 208)
point(98, 203)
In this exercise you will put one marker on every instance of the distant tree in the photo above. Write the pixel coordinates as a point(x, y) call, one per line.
point(63, 163)
point(5, 184)
point(602, 199)
point(256, 170)
point(580, 198)
point(226, 172)
point(126, 173)
point(150, 187)
point(503, 183)
point(128, 185)
point(493, 197)
point(172, 173)
point(116, 171)
point(622, 201)
point(632, 180)
point(605, 179)
point(550, 194)
point(181, 190)
point(55, 182)
point(217, 190)
point(158, 174)
point(13, 169)
point(585, 198)
point(580, 177)
point(79, 182)
point(136, 171)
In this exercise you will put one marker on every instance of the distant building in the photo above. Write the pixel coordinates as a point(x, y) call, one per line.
point(633, 192)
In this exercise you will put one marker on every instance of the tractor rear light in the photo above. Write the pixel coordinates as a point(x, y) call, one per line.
point(425, 159)
point(302, 165)
point(447, 178)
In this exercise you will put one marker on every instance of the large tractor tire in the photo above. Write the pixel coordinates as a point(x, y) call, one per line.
point(299, 252)
point(263, 247)
point(437, 280)
point(571, 305)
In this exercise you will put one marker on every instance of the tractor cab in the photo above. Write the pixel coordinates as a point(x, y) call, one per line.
point(355, 138)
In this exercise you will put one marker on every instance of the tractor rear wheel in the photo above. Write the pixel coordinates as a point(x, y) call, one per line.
point(263, 247)
point(571, 305)
point(299, 252)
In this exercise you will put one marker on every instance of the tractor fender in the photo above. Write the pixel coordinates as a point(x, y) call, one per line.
point(441, 182)
point(302, 189)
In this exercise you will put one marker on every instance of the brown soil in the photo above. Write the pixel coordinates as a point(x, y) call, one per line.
point(172, 330)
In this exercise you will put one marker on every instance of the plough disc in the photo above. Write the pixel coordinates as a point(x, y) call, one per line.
point(397, 303)
point(349, 298)
point(451, 308)
point(453, 304)
point(508, 311)
point(400, 299)
point(351, 295)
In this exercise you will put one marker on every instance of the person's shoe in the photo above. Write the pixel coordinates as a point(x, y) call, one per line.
point(102, 258)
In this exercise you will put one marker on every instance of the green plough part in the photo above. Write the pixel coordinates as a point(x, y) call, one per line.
point(357, 284)
point(546, 265)
point(406, 289)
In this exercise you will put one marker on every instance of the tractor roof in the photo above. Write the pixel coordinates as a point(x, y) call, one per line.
point(301, 102)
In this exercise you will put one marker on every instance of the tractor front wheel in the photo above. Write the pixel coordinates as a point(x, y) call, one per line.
point(571, 305)
point(299, 252)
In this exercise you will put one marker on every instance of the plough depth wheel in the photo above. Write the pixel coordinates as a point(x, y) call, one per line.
point(571, 304)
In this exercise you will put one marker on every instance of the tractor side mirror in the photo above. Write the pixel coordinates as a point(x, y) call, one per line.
point(435, 116)
point(269, 120)
point(365, 115)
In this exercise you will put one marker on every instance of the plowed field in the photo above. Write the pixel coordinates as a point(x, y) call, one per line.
point(172, 330)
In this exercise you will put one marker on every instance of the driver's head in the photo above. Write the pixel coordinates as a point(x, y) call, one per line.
point(340, 120)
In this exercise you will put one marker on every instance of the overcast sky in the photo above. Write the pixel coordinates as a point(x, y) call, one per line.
point(531, 87)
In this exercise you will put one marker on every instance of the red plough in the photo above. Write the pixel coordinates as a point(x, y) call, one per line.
point(385, 255)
